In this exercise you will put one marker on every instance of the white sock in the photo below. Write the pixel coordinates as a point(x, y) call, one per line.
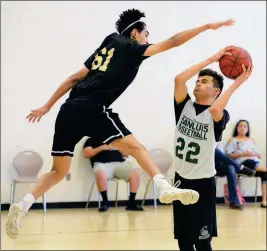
point(27, 202)
point(241, 167)
point(161, 181)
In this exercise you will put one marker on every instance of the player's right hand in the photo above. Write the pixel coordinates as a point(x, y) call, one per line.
point(37, 114)
point(224, 52)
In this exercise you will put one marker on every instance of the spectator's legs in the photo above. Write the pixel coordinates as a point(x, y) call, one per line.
point(263, 176)
point(231, 181)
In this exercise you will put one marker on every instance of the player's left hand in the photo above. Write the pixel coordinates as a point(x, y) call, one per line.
point(217, 25)
point(245, 75)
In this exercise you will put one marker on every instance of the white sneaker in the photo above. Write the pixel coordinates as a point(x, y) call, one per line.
point(186, 196)
point(14, 216)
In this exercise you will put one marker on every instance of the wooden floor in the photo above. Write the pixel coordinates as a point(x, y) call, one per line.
point(80, 229)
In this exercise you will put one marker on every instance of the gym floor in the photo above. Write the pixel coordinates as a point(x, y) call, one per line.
point(87, 229)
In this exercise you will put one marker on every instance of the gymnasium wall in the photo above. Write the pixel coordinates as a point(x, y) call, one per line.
point(44, 42)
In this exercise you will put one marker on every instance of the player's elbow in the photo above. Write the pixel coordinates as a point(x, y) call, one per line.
point(72, 81)
point(179, 80)
point(216, 113)
point(78, 76)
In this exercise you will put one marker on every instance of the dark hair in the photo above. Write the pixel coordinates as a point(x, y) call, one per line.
point(128, 17)
point(235, 133)
point(217, 78)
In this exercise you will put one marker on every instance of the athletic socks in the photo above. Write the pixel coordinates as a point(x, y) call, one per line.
point(161, 181)
point(27, 202)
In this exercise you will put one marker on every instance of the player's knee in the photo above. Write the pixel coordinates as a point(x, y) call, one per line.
point(60, 174)
point(128, 145)
point(203, 245)
point(61, 167)
point(135, 149)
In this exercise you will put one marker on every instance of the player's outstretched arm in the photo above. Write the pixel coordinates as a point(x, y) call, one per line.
point(216, 110)
point(180, 90)
point(61, 90)
point(182, 37)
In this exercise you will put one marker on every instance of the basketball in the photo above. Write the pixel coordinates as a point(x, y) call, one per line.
point(231, 66)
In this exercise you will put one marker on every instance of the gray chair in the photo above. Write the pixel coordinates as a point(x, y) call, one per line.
point(163, 160)
point(263, 160)
point(27, 164)
point(239, 178)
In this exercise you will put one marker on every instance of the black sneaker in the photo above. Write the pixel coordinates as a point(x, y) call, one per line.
point(134, 207)
point(263, 205)
point(247, 171)
point(236, 206)
point(103, 208)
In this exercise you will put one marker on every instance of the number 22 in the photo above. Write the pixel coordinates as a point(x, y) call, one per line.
point(97, 63)
point(188, 158)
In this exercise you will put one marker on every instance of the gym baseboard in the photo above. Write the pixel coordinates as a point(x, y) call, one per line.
point(94, 204)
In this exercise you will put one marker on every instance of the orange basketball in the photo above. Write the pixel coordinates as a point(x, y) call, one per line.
point(231, 66)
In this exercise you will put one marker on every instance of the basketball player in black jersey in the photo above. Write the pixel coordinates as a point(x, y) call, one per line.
point(105, 76)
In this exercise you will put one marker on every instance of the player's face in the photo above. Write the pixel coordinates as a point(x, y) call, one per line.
point(142, 37)
point(204, 88)
point(242, 128)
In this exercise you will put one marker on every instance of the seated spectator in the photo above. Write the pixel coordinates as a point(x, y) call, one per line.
point(244, 151)
point(108, 163)
point(229, 168)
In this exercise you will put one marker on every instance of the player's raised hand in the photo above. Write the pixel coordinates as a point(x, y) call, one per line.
point(217, 25)
point(223, 52)
point(245, 74)
point(37, 114)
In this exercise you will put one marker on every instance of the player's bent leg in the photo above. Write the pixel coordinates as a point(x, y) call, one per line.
point(131, 146)
point(61, 166)
point(59, 170)
point(168, 194)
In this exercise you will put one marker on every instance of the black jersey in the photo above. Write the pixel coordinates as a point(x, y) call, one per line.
point(113, 67)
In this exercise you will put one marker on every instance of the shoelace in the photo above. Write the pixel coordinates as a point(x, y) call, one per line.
point(177, 183)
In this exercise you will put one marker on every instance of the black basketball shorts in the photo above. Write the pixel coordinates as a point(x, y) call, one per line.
point(196, 222)
point(80, 117)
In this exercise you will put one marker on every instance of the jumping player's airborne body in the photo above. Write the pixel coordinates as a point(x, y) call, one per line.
point(105, 76)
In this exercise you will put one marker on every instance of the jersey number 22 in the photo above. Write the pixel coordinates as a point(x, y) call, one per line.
point(97, 63)
point(195, 150)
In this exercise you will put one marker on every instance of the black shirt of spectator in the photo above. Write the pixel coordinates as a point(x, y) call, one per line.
point(106, 156)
